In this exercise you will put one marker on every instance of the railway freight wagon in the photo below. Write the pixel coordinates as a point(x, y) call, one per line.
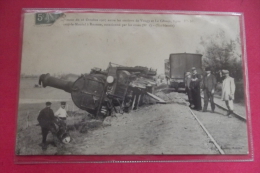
point(180, 63)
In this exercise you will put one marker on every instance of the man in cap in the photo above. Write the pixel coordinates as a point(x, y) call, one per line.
point(187, 81)
point(195, 89)
point(208, 86)
point(46, 120)
point(228, 92)
point(61, 113)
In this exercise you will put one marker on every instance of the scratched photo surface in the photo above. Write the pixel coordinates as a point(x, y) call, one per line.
point(132, 83)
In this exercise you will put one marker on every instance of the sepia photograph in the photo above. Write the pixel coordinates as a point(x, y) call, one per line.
point(132, 83)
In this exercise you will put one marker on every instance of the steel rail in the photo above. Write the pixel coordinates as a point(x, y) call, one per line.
point(236, 114)
point(207, 132)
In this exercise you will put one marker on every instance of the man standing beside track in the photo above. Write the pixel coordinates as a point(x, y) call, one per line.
point(208, 86)
point(187, 87)
point(195, 89)
point(228, 92)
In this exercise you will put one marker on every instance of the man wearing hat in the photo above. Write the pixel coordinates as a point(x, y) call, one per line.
point(195, 89)
point(208, 86)
point(46, 120)
point(61, 113)
point(187, 81)
point(228, 92)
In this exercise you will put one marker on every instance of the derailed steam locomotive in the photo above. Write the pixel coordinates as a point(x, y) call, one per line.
point(100, 92)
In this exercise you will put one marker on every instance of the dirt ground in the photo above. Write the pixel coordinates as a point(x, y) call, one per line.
point(155, 129)
point(152, 129)
point(230, 133)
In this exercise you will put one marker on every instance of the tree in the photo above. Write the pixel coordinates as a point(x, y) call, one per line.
point(219, 53)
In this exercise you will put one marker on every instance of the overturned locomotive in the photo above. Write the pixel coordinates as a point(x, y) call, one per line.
point(100, 92)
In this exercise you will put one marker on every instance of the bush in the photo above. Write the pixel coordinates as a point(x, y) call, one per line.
point(239, 93)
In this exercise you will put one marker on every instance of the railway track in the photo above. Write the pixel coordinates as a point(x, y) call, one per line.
point(218, 105)
point(207, 132)
point(219, 148)
point(234, 113)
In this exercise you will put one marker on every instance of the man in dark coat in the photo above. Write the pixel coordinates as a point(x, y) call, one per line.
point(195, 89)
point(187, 81)
point(46, 120)
point(208, 86)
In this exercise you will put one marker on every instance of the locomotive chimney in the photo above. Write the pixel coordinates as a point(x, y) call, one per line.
point(48, 80)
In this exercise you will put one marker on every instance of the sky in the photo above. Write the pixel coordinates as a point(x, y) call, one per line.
point(65, 48)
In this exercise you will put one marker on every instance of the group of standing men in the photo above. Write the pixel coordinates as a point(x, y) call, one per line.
point(195, 83)
point(47, 120)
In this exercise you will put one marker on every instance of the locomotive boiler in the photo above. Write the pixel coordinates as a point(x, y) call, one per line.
point(100, 91)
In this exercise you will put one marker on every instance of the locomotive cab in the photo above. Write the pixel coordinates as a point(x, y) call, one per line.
point(101, 91)
point(117, 85)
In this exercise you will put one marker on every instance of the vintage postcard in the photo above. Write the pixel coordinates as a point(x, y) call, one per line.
point(132, 83)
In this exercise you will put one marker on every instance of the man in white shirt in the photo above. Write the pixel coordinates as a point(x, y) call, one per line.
point(228, 92)
point(61, 113)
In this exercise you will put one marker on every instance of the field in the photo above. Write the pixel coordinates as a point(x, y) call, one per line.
point(31, 94)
